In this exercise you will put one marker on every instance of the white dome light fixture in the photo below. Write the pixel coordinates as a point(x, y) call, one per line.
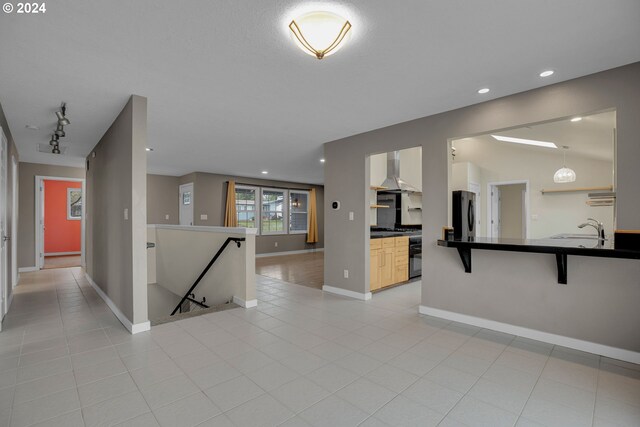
point(564, 174)
point(320, 34)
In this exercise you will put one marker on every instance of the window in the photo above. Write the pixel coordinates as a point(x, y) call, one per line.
point(298, 211)
point(74, 203)
point(246, 206)
point(186, 198)
point(273, 219)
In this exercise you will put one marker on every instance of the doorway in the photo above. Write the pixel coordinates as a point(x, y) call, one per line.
point(4, 238)
point(508, 209)
point(186, 204)
point(14, 222)
point(60, 222)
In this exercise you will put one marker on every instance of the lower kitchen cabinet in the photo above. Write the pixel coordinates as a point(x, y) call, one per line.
point(388, 261)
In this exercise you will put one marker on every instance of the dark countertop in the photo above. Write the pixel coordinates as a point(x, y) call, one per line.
point(383, 234)
point(585, 247)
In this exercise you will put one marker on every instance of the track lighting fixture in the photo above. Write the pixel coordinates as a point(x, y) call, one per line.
point(54, 139)
point(62, 119)
point(56, 150)
point(60, 131)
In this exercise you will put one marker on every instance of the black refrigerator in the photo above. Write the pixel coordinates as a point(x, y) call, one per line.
point(464, 214)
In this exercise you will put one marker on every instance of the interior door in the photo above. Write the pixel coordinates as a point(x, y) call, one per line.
point(14, 223)
point(3, 225)
point(186, 204)
point(495, 211)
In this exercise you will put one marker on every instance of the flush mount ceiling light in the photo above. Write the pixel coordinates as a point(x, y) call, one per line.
point(265, 172)
point(32, 127)
point(576, 119)
point(483, 90)
point(322, 160)
point(149, 149)
point(320, 33)
point(546, 73)
point(525, 141)
point(564, 174)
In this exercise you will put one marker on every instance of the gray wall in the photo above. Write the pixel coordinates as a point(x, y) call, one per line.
point(600, 303)
point(12, 153)
point(210, 192)
point(162, 199)
point(116, 180)
point(27, 205)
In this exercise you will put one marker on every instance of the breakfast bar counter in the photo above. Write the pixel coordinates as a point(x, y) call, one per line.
point(561, 247)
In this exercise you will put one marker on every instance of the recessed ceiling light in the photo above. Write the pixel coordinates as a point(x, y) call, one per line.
point(576, 119)
point(149, 149)
point(483, 90)
point(525, 141)
point(265, 172)
point(321, 160)
point(32, 127)
point(546, 73)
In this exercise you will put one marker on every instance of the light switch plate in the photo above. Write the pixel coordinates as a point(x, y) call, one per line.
point(166, 217)
point(126, 214)
point(350, 216)
point(204, 217)
point(346, 274)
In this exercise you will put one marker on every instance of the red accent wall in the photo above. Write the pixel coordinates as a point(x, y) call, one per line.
point(60, 234)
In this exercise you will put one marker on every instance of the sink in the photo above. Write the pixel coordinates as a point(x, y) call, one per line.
point(576, 236)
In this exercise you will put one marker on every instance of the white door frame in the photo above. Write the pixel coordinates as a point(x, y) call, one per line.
point(193, 211)
point(4, 267)
point(14, 222)
point(525, 213)
point(39, 220)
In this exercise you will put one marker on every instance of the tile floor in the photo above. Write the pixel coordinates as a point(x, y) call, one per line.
point(301, 358)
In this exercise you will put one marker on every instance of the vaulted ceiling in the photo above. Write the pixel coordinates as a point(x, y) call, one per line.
point(229, 92)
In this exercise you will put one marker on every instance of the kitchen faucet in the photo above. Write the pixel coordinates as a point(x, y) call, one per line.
point(597, 225)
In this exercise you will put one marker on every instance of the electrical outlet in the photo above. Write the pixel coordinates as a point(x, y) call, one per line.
point(350, 216)
point(204, 217)
point(346, 274)
point(166, 217)
point(275, 244)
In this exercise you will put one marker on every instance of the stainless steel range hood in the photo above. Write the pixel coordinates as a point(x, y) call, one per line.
point(393, 181)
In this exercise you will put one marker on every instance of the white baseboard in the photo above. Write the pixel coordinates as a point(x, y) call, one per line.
point(27, 269)
point(347, 293)
point(246, 304)
point(62, 253)
point(133, 328)
point(302, 251)
point(576, 344)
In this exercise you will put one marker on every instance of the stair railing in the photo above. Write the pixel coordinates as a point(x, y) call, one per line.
point(187, 295)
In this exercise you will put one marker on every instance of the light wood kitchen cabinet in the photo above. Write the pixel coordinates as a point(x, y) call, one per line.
point(388, 261)
point(374, 265)
point(386, 266)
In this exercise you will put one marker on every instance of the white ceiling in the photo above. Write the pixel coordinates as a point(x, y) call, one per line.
point(229, 92)
point(592, 137)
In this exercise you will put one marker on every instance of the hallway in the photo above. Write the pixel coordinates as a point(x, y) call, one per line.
point(301, 358)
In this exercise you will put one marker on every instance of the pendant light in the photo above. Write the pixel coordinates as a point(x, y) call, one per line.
point(564, 174)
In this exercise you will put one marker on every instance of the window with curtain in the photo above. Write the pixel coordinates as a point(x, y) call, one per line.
point(246, 206)
point(298, 211)
point(273, 219)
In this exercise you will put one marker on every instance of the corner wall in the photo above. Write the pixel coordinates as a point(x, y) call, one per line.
point(600, 303)
point(116, 215)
